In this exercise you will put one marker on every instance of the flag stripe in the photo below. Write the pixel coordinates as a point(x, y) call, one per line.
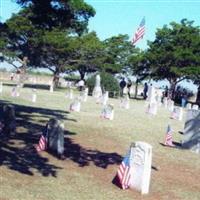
point(140, 32)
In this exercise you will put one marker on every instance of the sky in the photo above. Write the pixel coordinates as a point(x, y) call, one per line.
point(115, 17)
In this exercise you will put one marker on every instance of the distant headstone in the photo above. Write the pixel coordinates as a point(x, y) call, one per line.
point(69, 93)
point(170, 105)
point(191, 136)
point(151, 94)
point(195, 107)
point(165, 102)
point(140, 163)
point(34, 96)
point(55, 138)
point(15, 91)
point(125, 102)
point(189, 106)
point(97, 92)
point(85, 96)
point(9, 120)
point(75, 105)
point(104, 98)
point(152, 108)
point(51, 87)
point(1, 87)
point(177, 113)
point(107, 112)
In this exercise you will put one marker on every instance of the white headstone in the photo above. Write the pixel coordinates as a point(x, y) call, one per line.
point(125, 102)
point(69, 93)
point(151, 94)
point(51, 87)
point(34, 96)
point(189, 106)
point(104, 98)
point(152, 108)
point(195, 107)
point(108, 112)
point(85, 96)
point(170, 105)
point(177, 113)
point(97, 92)
point(140, 163)
point(165, 102)
point(1, 87)
point(75, 105)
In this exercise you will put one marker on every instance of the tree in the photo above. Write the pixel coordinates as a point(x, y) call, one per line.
point(175, 52)
point(139, 66)
point(117, 51)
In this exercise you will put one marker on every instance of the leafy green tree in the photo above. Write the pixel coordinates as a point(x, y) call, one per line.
point(174, 53)
point(138, 64)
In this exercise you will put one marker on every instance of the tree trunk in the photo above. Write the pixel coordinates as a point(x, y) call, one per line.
point(136, 89)
point(56, 79)
point(172, 88)
point(198, 96)
point(82, 74)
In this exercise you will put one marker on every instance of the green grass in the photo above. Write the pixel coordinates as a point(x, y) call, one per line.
point(94, 138)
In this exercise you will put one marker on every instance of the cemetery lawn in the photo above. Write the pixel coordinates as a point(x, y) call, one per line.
point(94, 148)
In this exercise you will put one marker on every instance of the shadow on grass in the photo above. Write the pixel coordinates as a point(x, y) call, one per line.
point(17, 151)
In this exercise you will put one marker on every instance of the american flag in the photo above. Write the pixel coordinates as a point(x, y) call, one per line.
point(140, 32)
point(168, 137)
point(123, 173)
point(42, 144)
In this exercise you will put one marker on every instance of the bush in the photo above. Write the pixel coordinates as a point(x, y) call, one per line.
point(108, 83)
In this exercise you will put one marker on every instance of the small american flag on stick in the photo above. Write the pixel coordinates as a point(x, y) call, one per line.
point(42, 144)
point(123, 173)
point(168, 137)
point(140, 32)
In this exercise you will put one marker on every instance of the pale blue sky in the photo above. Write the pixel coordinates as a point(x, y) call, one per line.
point(123, 16)
point(115, 17)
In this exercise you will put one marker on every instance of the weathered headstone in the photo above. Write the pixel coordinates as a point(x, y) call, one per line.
point(140, 163)
point(9, 120)
point(51, 87)
point(189, 106)
point(55, 136)
point(151, 94)
point(170, 105)
point(152, 108)
point(107, 112)
point(97, 92)
point(1, 87)
point(195, 107)
point(177, 113)
point(85, 94)
point(34, 96)
point(191, 136)
point(125, 102)
point(69, 93)
point(75, 105)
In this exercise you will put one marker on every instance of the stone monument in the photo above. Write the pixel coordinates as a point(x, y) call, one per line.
point(55, 136)
point(140, 163)
point(97, 92)
point(191, 136)
point(9, 120)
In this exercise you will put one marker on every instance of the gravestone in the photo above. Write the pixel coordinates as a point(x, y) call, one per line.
point(51, 87)
point(69, 93)
point(151, 94)
point(165, 102)
point(170, 105)
point(34, 96)
point(104, 98)
point(195, 107)
point(152, 108)
point(177, 113)
point(9, 120)
point(140, 163)
point(189, 106)
point(75, 105)
point(97, 92)
point(125, 102)
point(191, 135)
point(55, 136)
point(107, 112)
point(1, 87)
